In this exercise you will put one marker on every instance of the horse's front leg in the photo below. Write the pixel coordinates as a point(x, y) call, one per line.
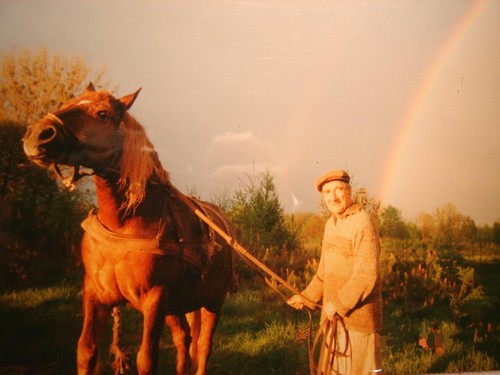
point(147, 357)
point(95, 316)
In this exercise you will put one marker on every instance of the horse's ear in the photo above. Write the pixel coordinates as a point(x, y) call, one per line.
point(128, 100)
point(90, 87)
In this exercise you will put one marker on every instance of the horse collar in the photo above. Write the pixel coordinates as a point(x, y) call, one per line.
point(132, 243)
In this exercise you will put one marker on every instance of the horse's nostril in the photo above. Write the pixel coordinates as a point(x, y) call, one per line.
point(47, 134)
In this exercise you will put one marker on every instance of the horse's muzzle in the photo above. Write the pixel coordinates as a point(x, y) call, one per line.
point(44, 143)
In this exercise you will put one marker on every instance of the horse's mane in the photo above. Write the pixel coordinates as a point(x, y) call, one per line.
point(139, 163)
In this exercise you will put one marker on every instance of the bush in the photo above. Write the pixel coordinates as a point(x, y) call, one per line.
point(39, 223)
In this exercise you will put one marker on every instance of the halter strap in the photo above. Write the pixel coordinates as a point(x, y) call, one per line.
point(52, 117)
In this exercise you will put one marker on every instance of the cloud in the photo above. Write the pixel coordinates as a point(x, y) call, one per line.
point(233, 137)
point(229, 149)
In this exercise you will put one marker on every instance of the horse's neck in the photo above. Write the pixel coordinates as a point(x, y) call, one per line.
point(143, 220)
point(109, 204)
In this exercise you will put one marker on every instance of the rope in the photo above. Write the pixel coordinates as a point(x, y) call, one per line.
point(330, 347)
point(121, 361)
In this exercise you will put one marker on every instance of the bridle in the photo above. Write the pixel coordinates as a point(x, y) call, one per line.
point(77, 173)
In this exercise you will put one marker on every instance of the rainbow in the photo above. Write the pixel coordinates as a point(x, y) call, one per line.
point(392, 163)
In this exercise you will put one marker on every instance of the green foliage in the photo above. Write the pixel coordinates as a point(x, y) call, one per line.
point(439, 283)
point(33, 83)
point(392, 224)
point(39, 223)
point(496, 233)
point(426, 289)
point(447, 229)
point(258, 215)
point(261, 226)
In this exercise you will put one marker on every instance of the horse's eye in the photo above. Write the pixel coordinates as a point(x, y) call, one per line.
point(102, 115)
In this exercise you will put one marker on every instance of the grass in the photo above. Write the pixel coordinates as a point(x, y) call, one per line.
point(39, 330)
point(257, 334)
point(459, 356)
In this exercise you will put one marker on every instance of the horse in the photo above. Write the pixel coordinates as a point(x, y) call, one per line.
point(142, 246)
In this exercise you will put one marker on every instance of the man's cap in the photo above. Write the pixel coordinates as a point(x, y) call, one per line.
point(335, 175)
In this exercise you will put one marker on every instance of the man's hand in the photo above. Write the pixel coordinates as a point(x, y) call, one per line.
point(330, 310)
point(297, 302)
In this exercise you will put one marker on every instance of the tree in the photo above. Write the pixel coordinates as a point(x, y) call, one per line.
point(392, 224)
point(468, 232)
point(448, 227)
point(496, 233)
point(33, 83)
point(39, 224)
point(426, 227)
point(258, 215)
point(368, 203)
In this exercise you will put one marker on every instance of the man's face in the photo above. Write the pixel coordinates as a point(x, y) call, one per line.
point(336, 196)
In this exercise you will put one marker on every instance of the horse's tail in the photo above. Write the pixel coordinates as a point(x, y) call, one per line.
point(121, 361)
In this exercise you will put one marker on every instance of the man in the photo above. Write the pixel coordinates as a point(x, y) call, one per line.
point(347, 280)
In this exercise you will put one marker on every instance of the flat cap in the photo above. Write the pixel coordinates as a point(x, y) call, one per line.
point(335, 175)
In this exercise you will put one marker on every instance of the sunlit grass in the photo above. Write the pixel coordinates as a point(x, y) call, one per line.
point(256, 335)
point(34, 297)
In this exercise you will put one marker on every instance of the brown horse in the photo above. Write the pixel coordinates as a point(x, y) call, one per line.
point(143, 246)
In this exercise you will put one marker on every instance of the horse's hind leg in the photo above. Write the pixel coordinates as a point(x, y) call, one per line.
point(204, 344)
point(194, 321)
point(95, 317)
point(181, 338)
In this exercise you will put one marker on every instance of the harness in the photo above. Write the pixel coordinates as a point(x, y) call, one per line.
point(193, 243)
point(131, 243)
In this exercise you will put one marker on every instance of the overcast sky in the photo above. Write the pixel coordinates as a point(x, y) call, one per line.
point(404, 95)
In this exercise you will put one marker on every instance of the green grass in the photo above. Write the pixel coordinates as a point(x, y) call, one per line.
point(459, 356)
point(256, 334)
point(39, 330)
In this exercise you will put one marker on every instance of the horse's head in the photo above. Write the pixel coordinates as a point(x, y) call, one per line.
point(85, 131)
point(95, 131)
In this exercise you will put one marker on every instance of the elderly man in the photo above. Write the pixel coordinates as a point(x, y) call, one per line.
point(347, 280)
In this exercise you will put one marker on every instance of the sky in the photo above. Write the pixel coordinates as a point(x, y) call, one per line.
point(404, 95)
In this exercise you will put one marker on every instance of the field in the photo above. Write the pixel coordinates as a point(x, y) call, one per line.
point(257, 334)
